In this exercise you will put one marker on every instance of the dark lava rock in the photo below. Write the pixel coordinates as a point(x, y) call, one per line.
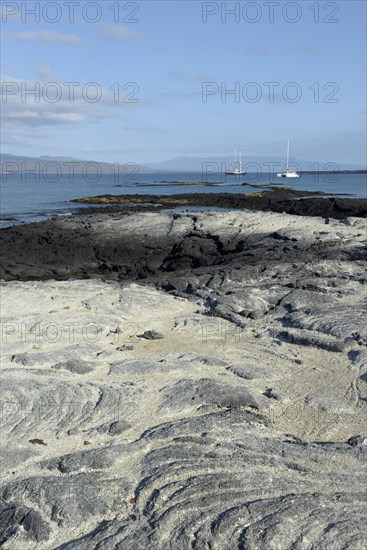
point(151, 335)
point(125, 347)
point(118, 427)
point(19, 518)
point(357, 440)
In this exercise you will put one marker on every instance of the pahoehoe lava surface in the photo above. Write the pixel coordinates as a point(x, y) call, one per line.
point(237, 422)
point(142, 246)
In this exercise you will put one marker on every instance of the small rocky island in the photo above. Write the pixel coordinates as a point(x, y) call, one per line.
point(265, 197)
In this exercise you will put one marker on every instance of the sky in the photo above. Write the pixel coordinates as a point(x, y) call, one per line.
point(148, 81)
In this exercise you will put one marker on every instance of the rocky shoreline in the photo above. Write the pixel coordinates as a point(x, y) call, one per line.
point(274, 199)
point(184, 380)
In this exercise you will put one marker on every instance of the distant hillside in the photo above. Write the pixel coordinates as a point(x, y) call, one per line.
point(195, 164)
point(64, 165)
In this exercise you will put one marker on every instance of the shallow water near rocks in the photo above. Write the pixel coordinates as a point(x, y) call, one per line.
point(31, 200)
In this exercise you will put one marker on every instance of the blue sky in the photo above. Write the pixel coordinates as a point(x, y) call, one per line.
point(167, 55)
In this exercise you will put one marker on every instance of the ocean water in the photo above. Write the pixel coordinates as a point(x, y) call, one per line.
point(27, 199)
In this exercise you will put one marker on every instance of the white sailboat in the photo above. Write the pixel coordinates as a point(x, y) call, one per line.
point(288, 173)
point(237, 171)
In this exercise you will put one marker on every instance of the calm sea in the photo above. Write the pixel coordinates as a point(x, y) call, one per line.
point(27, 200)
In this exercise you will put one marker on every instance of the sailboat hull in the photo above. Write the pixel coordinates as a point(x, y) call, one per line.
point(235, 172)
point(288, 175)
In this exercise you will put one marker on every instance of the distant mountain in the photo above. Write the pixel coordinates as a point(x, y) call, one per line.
point(195, 164)
point(47, 157)
point(64, 165)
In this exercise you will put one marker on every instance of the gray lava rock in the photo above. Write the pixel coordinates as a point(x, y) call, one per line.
point(278, 395)
point(337, 320)
point(78, 366)
point(151, 335)
point(357, 440)
point(207, 393)
point(17, 519)
point(358, 358)
point(251, 372)
point(125, 347)
point(118, 427)
point(311, 338)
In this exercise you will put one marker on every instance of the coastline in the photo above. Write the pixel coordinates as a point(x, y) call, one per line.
point(166, 373)
point(275, 199)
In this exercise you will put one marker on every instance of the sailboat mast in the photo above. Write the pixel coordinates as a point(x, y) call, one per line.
point(287, 156)
point(240, 160)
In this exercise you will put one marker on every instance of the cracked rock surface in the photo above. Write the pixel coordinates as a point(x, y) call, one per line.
point(238, 421)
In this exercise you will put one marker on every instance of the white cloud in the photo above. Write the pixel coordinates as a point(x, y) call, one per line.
point(24, 136)
point(27, 103)
point(115, 31)
point(20, 140)
point(42, 118)
point(49, 37)
point(45, 74)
